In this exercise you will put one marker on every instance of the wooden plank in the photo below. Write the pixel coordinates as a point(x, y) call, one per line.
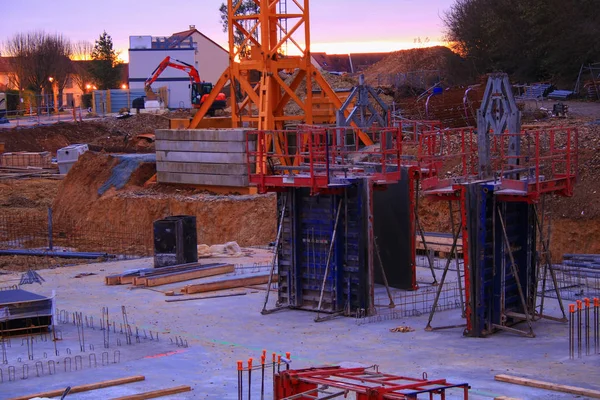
point(205, 297)
point(595, 394)
point(227, 284)
point(127, 277)
point(84, 388)
point(439, 240)
point(156, 393)
point(139, 279)
point(111, 280)
point(438, 247)
point(188, 275)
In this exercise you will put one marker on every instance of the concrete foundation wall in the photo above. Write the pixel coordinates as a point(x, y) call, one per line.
point(211, 157)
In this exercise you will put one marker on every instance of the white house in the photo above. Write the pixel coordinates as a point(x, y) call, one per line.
point(191, 47)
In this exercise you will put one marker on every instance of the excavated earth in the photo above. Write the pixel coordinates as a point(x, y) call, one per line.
point(249, 220)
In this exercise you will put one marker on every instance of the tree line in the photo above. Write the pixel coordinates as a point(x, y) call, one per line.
point(43, 62)
point(532, 40)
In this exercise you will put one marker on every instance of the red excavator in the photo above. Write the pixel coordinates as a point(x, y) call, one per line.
point(200, 89)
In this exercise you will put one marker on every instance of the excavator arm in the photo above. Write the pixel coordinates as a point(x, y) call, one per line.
point(177, 64)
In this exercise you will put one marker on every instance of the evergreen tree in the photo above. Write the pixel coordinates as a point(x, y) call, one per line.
point(247, 7)
point(104, 66)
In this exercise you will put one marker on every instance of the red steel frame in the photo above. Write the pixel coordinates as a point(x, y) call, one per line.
point(548, 159)
point(364, 384)
point(319, 155)
point(547, 164)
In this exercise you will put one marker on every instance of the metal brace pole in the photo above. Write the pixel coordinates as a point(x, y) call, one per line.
point(385, 281)
point(551, 268)
point(513, 266)
point(462, 301)
point(279, 230)
point(441, 285)
point(420, 228)
point(333, 235)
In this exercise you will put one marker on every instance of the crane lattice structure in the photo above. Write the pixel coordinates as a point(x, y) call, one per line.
point(266, 36)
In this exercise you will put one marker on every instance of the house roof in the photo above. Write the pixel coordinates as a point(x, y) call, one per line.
point(179, 37)
point(354, 62)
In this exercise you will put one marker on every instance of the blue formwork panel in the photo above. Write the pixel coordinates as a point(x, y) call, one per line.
point(493, 289)
point(307, 230)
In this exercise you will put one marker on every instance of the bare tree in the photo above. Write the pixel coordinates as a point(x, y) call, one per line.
point(18, 48)
point(82, 50)
point(40, 61)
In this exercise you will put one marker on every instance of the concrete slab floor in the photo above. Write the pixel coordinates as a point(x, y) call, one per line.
point(223, 330)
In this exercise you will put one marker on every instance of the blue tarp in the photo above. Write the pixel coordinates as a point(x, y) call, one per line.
point(123, 170)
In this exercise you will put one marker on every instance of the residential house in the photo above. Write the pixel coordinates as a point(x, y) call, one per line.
point(191, 47)
point(77, 83)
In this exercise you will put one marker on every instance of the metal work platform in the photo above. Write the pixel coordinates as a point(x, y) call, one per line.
point(322, 158)
point(497, 175)
point(360, 384)
point(547, 163)
point(346, 212)
point(23, 312)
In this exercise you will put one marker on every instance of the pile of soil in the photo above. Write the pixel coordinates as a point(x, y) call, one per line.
point(107, 134)
point(575, 220)
point(454, 70)
point(27, 194)
point(248, 220)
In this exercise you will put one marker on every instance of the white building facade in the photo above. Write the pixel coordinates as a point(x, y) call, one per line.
point(191, 47)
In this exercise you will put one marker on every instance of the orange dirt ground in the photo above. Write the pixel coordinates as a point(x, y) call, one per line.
point(249, 220)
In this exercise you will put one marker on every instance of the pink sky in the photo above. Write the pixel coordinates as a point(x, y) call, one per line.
point(337, 26)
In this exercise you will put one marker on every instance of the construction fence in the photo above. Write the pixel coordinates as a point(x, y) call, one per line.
point(35, 230)
point(30, 109)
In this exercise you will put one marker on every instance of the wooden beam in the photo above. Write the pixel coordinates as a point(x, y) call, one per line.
point(156, 393)
point(112, 280)
point(128, 277)
point(205, 297)
point(140, 279)
point(184, 275)
point(226, 284)
point(595, 394)
point(84, 388)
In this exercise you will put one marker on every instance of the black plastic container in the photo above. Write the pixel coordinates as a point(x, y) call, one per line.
point(175, 241)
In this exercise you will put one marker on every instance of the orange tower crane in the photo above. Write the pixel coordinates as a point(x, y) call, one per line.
point(266, 36)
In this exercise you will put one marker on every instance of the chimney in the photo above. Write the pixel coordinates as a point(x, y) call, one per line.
point(192, 27)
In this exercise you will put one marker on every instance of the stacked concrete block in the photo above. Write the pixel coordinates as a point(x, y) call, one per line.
point(212, 157)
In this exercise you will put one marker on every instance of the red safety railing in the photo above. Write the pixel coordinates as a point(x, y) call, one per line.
point(320, 157)
point(447, 156)
point(546, 162)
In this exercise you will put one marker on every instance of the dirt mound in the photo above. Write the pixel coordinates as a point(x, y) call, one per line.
point(27, 194)
point(135, 124)
point(108, 134)
point(452, 67)
point(134, 208)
